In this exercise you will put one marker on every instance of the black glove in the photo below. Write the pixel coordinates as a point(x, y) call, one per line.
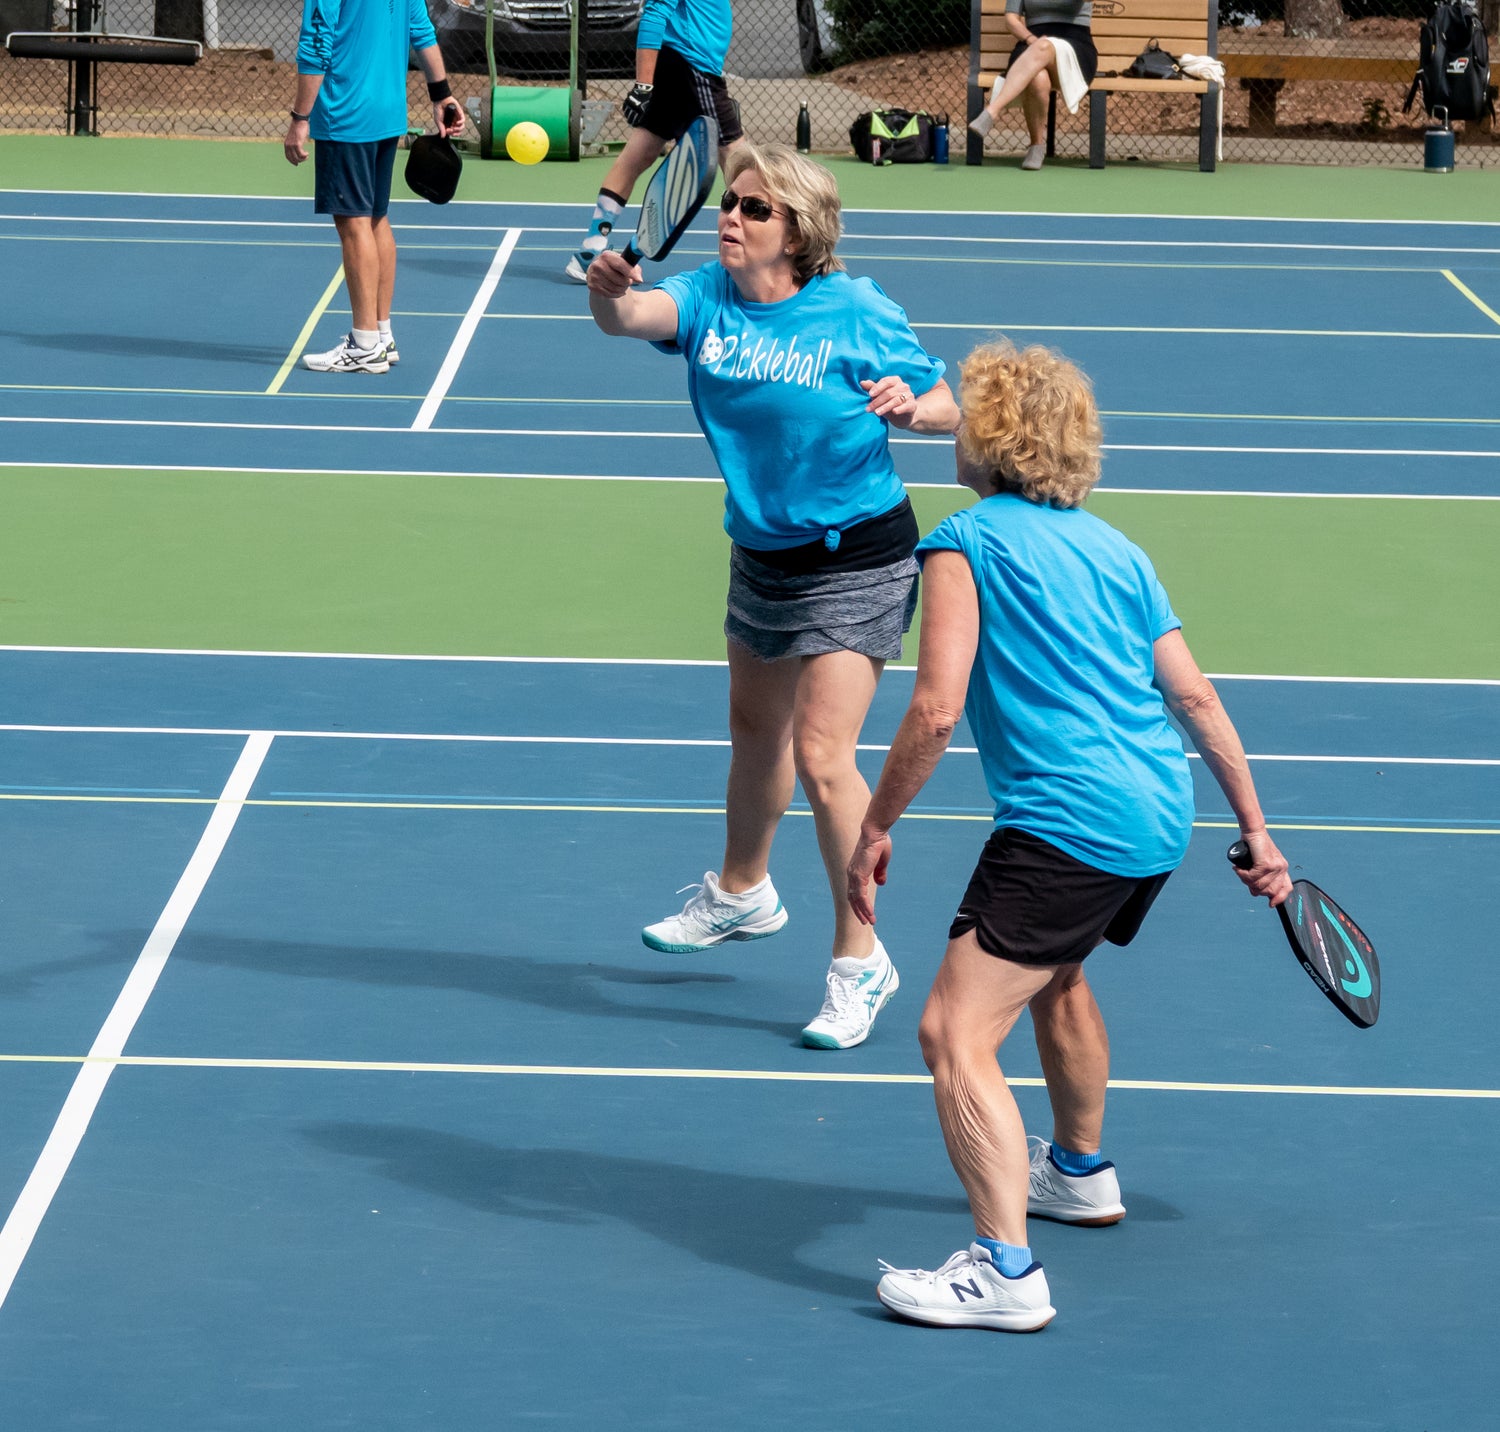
point(633, 106)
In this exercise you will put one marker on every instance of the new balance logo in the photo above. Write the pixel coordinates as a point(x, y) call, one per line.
point(971, 1288)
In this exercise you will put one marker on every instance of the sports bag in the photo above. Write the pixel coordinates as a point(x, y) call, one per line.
point(1454, 73)
point(904, 136)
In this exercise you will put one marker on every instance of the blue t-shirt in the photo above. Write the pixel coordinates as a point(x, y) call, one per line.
point(360, 47)
point(699, 30)
point(1073, 734)
point(776, 390)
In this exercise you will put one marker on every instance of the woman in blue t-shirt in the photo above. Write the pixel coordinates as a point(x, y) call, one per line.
point(1050, 632)
point(796, 372)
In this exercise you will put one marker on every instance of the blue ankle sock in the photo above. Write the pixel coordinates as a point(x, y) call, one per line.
point(1009, 1259)
point(1073, 1163)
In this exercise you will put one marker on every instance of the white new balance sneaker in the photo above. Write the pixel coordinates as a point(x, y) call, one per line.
point(857, 991)
point(969, 1291)
point(346, 358)
point(712, 916)
point(1091, 1199)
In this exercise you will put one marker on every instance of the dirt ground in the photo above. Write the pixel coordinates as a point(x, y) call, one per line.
point(245, 94)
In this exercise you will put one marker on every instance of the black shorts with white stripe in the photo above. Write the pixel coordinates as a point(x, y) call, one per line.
point(679, 94)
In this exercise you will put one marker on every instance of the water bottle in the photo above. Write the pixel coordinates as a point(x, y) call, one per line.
point(804, 130)
point(940, 140)
point(874, 150)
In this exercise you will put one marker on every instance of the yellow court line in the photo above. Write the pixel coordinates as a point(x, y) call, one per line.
point(549, 808)
point(787, 1076)
point(307, 332)
point(1469, 294)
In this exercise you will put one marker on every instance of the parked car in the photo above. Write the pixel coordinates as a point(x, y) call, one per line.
point(532, 36)
point(814, 36)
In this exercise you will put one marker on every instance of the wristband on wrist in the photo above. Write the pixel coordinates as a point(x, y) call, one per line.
point(301, 118)
point(438, 90)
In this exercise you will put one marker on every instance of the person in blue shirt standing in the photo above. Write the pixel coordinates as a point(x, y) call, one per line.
point(351, 98)
point(1051, 633)
point(679, 74)
point(796, 372)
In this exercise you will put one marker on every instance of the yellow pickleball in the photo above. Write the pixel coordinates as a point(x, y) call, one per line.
point(527, 142)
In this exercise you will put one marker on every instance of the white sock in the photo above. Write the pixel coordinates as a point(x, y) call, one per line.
point(366, 337)
point(384, 325)
point(752, 894)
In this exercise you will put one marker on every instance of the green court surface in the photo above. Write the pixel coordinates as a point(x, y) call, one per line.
point(187, 166)
point(472, 566)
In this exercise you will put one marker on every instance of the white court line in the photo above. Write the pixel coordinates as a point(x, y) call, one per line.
point(787, 1076)
point(997, 214)
point(465, 334)
point(620, 434)
point(78, 1109)
point(26, 647)
point(665, 742)
point(439, 472)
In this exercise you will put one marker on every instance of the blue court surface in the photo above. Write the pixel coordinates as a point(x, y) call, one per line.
point(410, 1130)
point(339, 1090)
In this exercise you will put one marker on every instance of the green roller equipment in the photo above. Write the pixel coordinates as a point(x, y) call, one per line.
point(555, 107)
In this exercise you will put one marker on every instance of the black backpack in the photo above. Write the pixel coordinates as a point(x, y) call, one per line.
point(905, 136)
point(1455, 65)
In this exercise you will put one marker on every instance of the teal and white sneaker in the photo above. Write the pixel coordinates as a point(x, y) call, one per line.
point(712, 916)
point(857, 991)
point(969, 1291)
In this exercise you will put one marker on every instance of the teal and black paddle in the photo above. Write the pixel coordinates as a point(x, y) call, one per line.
point(1334, 951)
point(676, 192)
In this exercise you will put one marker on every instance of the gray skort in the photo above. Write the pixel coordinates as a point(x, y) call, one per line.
point(775, 615)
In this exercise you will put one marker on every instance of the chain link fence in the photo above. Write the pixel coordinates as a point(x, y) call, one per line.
point(1310, 81)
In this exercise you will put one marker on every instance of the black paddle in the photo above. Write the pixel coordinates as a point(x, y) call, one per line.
point(676, 192)
point(1333, 950)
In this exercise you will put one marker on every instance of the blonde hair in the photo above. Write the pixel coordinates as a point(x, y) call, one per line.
point(1029, 418)
point(807, 192)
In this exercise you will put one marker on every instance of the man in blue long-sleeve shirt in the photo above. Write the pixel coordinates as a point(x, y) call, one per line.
point(351, 98)
point(679, 74)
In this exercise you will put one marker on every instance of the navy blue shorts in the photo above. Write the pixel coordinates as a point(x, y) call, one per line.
point(1035, 904)
point(353, 180)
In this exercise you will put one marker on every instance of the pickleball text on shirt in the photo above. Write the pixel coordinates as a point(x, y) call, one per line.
point(766, 361)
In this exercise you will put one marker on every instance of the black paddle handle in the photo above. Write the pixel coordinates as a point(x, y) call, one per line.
point(1239, 855)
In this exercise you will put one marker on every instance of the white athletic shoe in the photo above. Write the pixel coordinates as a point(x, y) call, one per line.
point(857, 991)
point(576, 270)
point(346, 358)
point(1091, 1199)
point(391, 356)
point(712, 916)
point(969, 1291)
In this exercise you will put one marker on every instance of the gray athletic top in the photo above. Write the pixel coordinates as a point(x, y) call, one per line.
point(1053, 12)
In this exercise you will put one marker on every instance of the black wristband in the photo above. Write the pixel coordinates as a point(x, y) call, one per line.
point(301, 118)
point(439, 89)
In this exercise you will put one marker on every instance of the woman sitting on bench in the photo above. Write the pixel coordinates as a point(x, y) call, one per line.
point(1054, 49)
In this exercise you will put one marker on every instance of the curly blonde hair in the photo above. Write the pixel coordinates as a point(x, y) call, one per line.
point(807, 191)
point(1029, 418)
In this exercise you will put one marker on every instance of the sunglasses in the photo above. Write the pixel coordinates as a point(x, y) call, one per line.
point(751, 206)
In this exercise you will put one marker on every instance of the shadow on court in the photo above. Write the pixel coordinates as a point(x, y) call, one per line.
point(137, 346)
point(742, 1221)
point(569, 986)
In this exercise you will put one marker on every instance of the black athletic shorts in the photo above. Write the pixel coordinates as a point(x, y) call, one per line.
point(353, 180)
point(1032, 903)
point(679, 94)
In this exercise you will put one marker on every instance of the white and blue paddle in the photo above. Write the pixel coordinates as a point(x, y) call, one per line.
point(676, 192)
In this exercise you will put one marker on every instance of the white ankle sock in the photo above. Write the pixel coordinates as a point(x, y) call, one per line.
point(365, 337)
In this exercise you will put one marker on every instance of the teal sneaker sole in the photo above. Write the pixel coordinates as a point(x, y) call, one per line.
point(651, 941)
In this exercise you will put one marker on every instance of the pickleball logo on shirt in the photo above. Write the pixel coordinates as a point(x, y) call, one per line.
point(766, 361)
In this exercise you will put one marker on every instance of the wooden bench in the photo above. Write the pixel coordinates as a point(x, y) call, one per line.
point(1263, 62)
point(1121, 30)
